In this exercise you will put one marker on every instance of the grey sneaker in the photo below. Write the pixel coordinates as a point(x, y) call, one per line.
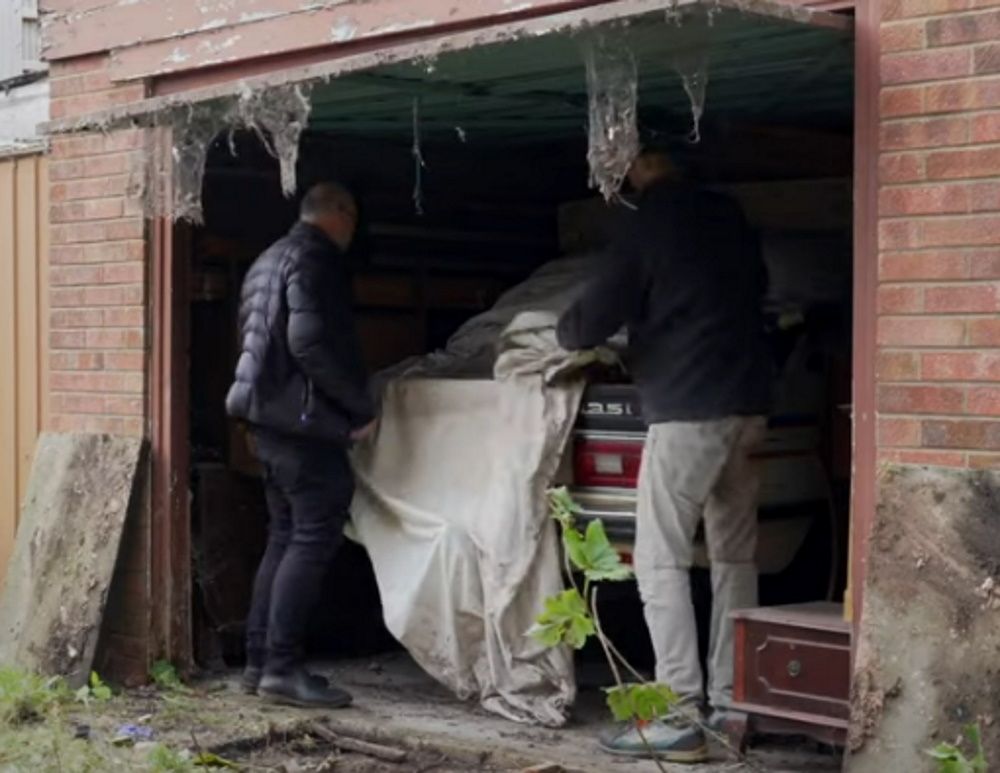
point(721, 720)
point(672, 740)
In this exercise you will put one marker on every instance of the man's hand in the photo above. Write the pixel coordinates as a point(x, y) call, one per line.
point(365, 432)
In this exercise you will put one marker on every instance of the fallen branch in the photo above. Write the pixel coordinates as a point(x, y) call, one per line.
point(378, 751)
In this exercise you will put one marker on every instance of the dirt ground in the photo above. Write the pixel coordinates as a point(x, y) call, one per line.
point(418, 727)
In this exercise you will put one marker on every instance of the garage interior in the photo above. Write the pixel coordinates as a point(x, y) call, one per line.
point(470, 169)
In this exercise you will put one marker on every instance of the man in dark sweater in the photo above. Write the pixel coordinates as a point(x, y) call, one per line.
point(301, 385)
point(686, 279)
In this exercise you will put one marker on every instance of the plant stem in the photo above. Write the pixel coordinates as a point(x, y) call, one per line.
point(605, 642)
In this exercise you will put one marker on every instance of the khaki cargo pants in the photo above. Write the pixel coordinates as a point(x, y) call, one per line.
point(693, 471)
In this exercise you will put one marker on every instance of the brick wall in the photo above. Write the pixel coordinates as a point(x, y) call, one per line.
point(98, 287)
point(938, 366)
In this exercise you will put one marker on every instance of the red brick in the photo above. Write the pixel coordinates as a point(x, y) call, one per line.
point(124, 316)
point(972, 299)
point(902, 9)
point(66, 297)
point(114, 338)
point(74, 275)
point(76, 189)
point(952, 164)
point(114, 295)
point(82, 83)
point(124, 406)
point(901, 168)
point(900, 235)
point(902, 36)
point(960, 366)
point(984, 333)
point(77, 403)
point(984, 197)
point(926, 66)
point(920, 331)
point(906, 299)
point(87, 209)
point(984, 461)
point(984, 401)
point(924, 200)
point(925, 458)
point(93, 167)
point(980, 94)
point(986, 60)
point(80, 146)
point(125, 361)
point(121, 382)
point(920, 399)
point(68, 339)
point(964, 28)
point(986, 128)
point(81, 104)
point(897, 433)
point(902, 101)
point(100, 252)
point(124, 273)
point(897, 366)
point(98, 231)
point(960, 231)
point(923, 133)
point(938, 264)
point(79, 64)
point(70, 318)
point(969, 435)
point(985, 264)
point(76, 361)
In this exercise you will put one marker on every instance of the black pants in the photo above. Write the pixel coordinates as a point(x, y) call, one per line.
point(309, 486)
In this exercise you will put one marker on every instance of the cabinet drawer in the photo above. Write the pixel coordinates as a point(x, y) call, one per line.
point(793, 668)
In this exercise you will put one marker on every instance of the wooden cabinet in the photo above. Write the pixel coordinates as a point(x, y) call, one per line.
point(793, 670)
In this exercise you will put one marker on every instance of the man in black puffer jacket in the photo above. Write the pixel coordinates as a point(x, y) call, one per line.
point(301, 385)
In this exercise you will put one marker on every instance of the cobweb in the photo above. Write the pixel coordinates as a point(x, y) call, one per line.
point(612, 97)
point(278, 116)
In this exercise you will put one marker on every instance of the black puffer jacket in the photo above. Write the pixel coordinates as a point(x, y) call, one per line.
point(300, 369)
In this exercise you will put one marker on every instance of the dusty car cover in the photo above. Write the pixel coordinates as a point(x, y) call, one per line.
point(451, 507)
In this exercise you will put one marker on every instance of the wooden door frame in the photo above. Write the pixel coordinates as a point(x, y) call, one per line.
point(170, 589)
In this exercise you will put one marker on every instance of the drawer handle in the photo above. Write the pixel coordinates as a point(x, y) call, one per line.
point(794, 668)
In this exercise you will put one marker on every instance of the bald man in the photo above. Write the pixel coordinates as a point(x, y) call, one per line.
point(301, 386)
point(687, 280)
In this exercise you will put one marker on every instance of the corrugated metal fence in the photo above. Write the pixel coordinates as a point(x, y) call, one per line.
point(24, 206)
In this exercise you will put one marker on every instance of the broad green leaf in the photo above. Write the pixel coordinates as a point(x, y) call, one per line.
point(82, 695)
point(644, 702)
point(562, 506)
point(652, 701)
point(604, 561)
point(620, 702)
point(594, 555)
point(564, 621)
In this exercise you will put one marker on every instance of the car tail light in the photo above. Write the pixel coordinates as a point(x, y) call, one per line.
point(602, 462)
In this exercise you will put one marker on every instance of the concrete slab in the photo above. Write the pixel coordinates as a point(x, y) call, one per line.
point(929, 653)
point(67, 543)
point(395, 697)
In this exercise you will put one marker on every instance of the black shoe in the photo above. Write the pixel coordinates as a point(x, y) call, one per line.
point(299, 689)
point(250, 680)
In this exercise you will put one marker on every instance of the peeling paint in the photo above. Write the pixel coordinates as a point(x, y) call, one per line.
point(343, 30)
point(393, 29)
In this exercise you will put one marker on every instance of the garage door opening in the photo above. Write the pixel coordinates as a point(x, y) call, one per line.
point(472, 173)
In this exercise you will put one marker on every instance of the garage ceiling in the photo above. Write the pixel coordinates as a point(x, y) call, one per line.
point(760, 71)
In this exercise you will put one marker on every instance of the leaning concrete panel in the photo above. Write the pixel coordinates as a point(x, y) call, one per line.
point(928, 659)
point(67, 543)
